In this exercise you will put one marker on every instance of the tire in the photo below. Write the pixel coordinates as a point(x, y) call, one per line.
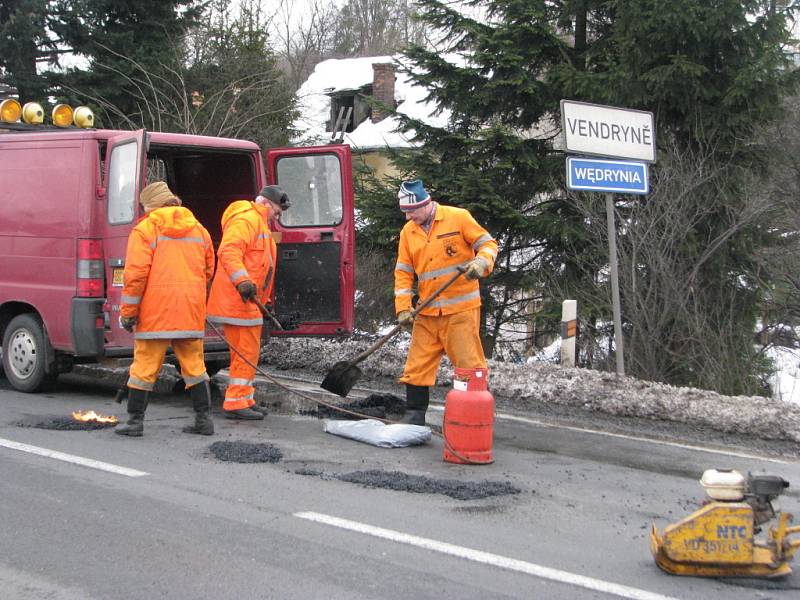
point(25, 354)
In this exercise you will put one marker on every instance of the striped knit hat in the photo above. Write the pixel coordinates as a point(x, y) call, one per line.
point(412, 195)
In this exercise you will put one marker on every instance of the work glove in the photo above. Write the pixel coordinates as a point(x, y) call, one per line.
point(127, 323)
point(405, 319)
point(475, 268)
point(247, 290)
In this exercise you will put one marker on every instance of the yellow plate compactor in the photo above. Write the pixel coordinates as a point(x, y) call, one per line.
point(722, 539)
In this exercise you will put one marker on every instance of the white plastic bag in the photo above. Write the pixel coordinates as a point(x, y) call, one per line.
point(377, 433)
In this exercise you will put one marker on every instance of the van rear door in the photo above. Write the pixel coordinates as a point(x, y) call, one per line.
point(315, 278)
point(124, 173)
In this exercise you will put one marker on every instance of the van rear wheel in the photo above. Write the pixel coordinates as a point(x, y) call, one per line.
point(25, 354)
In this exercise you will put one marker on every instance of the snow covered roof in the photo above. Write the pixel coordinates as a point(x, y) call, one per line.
point(339, 75)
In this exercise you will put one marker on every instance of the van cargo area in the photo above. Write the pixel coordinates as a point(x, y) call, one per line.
point(70, 201)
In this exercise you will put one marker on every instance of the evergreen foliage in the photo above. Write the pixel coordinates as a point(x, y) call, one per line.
point(232, 66)
point(23, 44)
point(123, 41)
point(710, 71)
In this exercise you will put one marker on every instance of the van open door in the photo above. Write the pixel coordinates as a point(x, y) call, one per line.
point(315, 277)
point(125, 164)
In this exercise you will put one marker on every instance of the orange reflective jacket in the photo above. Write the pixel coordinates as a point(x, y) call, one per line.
point(246, 252)
point(454, 239)
point(168, 264)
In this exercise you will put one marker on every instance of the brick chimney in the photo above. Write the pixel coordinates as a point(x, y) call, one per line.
point(383, 78)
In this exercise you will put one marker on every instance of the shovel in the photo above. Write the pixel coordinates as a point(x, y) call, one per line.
point(266, 312)
point(344, 374)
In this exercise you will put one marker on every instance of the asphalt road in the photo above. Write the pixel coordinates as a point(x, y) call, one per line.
point(161, 517)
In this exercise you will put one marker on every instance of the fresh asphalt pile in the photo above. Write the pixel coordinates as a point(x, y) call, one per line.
point(246, 452)
point(417, 484)
point(532, 386)
point(374, 405)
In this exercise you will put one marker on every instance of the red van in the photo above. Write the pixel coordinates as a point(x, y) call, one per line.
point(69, 199)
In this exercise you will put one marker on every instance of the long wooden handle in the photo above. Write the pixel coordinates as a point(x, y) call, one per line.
point(394, 330)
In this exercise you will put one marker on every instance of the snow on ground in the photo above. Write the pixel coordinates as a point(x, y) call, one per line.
point(523, 386)
point(786, 380)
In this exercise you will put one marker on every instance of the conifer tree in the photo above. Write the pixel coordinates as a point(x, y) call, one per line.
point(24, 44)
point(121, 40)
point(709, 71)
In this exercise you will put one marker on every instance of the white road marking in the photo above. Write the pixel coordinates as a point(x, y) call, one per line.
point(507, 417)
point(71, 458)
point(503, 562)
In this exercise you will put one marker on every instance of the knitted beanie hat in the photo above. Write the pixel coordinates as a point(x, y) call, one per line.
point(412, 195)
point(156, 195)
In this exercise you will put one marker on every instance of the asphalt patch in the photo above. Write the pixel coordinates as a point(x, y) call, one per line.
point(246, 452)
point(67, 424)
point(417, 484)
point(374, 405)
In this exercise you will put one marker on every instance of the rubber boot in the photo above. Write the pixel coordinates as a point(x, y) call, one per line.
point(201, 401)
point(244, 414)
point(417, 398)
point(137, 404)
point(259, 408)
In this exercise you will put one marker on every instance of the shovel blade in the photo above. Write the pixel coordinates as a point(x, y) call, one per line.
point(341, 378)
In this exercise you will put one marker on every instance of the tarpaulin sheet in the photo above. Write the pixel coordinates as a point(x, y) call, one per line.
point(377, 433)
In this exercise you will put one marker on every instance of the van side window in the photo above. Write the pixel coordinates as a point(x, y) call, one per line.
point(314, 185)
point(121, 184)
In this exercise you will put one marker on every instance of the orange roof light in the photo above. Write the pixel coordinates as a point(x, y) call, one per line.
point(62, 115)
point(10, 111)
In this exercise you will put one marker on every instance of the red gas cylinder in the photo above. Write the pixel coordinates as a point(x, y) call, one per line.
point(469, 418)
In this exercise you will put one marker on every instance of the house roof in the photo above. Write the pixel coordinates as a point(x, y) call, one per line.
point(338, 75)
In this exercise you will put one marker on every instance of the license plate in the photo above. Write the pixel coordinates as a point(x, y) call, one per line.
point(116, 279)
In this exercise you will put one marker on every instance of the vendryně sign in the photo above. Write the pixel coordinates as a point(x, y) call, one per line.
point(594, 175)
point(608, 131)
point(616, 133)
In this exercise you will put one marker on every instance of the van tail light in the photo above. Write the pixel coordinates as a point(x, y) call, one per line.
point(90, 269)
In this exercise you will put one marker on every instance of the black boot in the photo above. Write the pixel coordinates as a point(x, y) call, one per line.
point(137, 404)
point(417, 398)
point(201, 401)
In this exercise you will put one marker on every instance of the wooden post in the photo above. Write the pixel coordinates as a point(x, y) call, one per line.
point(612, 255)
point(569, 328)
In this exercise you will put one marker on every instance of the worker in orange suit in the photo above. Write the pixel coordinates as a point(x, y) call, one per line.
point(245, 270)
point(435, 242)
point(168, 264)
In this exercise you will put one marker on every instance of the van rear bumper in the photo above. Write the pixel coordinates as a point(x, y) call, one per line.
point(87, 337)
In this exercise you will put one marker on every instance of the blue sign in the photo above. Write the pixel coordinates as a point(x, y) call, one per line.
point(620, 176)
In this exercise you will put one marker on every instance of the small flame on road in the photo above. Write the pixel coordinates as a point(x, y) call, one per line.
point(91, 416)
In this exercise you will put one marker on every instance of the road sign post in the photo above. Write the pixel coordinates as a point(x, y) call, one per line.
point(617, 133)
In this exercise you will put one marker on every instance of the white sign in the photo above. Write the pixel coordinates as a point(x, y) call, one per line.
point(607, 131)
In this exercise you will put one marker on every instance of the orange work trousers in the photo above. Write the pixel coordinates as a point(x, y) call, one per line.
point(148, 356)
point(457, 335)
point(247, 340)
